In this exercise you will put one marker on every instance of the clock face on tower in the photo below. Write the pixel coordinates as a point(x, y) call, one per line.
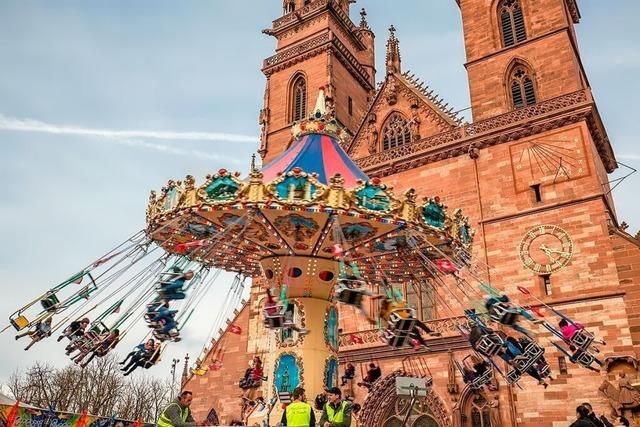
point(549, 159)
point(545, 249)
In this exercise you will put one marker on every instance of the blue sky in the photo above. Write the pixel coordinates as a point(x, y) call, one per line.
point(77, 72)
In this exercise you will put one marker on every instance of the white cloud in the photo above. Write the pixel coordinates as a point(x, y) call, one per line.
point(132, 138)
point(29, 125)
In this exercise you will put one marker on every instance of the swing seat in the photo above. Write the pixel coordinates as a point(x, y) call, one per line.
point(583, 357)
point(350, 296)
point(503, 314)
point(530, 357)
point(482, 380)
point(582, 339)
point(50, 302)
point(398, 339)
point(513, 376)
point(274, 320)
point(400, 324)
point(489, 344)
point(19, 322)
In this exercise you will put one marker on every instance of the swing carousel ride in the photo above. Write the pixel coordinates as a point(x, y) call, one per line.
point(317, 232)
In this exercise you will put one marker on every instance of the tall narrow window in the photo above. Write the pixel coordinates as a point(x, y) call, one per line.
point(522, 88)
point(546, 284)
point(511, 22)
point(299, 101)
point(536, 192)
point(396, 132)
point(350, 106)
point(562, 365)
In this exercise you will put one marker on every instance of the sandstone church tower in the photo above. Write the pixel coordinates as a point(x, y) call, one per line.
point(317, 46)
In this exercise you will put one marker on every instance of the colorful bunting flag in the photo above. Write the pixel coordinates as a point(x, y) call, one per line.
point(13, 414)
point(445, 266)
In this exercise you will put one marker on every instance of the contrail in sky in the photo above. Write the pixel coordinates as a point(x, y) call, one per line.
point(28, 125)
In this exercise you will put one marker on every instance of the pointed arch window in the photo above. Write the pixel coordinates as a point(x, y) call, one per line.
point(299, 99)
point(480, 413)
point(511, 22)
point(522, 88)
point(396, 132)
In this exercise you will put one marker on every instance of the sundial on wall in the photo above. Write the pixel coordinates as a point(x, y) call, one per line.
point(548, 160)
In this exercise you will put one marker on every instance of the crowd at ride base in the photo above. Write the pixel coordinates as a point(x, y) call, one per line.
point(336, 412)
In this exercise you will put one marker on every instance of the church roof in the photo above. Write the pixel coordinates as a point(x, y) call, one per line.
point(419, 89)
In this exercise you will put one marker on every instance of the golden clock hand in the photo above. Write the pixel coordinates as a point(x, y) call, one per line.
point(549, 251)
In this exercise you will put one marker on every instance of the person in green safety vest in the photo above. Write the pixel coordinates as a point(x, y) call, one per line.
point(177, 413)
point(298, 413)
point(337, 412)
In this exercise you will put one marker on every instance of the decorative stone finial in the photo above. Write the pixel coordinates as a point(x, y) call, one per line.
point(363, 19)
point(393, 52)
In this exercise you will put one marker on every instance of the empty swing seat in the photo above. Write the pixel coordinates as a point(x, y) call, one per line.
point(582, 339)
point(50, 302)
point(503, 314)
point(489, 344)
point(19, 322)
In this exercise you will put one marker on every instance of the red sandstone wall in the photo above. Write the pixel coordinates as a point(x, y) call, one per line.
point(219, 389)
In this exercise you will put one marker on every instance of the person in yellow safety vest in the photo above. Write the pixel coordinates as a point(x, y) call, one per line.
point(337, 412)
point(298, 413)
point(177, 413)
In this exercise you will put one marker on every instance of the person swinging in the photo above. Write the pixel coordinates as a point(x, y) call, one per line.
point(402, 323)
point(174, 288)
point(41, 330)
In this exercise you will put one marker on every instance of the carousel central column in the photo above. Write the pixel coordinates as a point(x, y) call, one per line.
point(311, 360)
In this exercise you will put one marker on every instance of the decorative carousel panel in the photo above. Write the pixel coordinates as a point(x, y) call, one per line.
point(433, 213)
point(287, 373)
point(222, 187)
point(296, 187)
point(331, 372)
point(357, 231)
point(331, 333)
point(239, 222)
point(300, 229)
point(373, 197)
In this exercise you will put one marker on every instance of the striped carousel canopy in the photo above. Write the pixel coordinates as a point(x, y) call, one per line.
point(316, 153)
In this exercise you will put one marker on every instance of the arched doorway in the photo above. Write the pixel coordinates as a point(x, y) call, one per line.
point(384, 408)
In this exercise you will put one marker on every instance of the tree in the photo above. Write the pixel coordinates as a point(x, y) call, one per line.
point(99, 388)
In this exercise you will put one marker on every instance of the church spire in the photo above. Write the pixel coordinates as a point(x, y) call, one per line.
point(393, 52)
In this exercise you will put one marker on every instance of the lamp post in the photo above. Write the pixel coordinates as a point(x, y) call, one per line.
point(174, 363)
